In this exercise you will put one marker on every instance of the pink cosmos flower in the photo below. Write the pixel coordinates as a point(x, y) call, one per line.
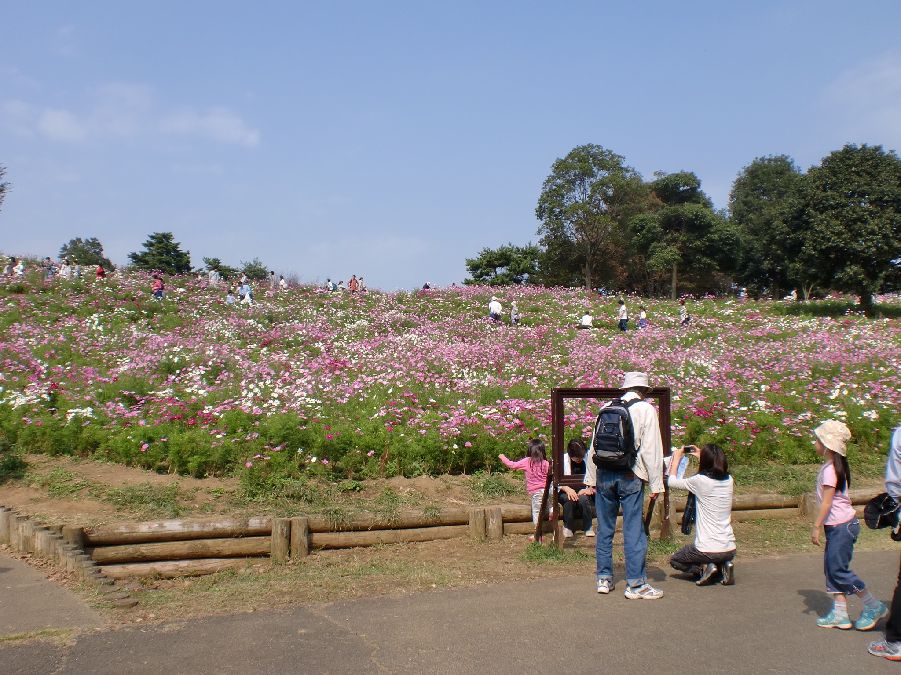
point(144, 447)
point(248, 464)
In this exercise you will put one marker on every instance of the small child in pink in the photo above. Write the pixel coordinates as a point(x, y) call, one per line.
point(536, 467)
point(837, 517)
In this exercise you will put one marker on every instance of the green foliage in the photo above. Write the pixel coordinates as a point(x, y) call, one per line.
point(685, 234)
point(226, 271)
point(761, 203)
point(504, 266)
point(849, 224)
point(12, 466)
point(85, 252)
point(584, 206)
point(255, 270)
point(162, 253)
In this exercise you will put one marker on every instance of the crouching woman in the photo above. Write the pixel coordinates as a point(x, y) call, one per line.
point(709, 558)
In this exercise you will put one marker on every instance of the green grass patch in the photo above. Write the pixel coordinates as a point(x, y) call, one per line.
point(540, 554)
point(486, 485)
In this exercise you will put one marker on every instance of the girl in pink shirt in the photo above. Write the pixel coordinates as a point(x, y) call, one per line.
point(837, 517)
point(536, 466)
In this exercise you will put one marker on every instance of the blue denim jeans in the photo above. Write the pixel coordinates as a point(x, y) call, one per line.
point(615, 489)
point(840, 540)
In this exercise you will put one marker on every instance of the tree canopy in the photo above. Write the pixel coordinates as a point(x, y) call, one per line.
point(761, 203)
point(584, 208)
point(84, 252)
point(848, 223)
point(162, 253)
point(504, 266)
point(683, 232)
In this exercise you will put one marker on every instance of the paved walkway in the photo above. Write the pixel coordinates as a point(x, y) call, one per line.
point(30, 602)
point(765, 623)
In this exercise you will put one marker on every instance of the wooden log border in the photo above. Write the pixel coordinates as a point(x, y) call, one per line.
point(172, 548)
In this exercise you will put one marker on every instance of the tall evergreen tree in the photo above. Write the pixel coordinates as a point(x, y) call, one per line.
point(162, 253)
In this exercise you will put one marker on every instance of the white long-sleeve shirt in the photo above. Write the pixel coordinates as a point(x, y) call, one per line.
point(649, 461)
point(713, 533)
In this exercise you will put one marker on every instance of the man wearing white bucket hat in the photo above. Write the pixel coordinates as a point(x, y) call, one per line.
point(615, 488)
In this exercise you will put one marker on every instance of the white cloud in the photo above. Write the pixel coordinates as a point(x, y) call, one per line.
point(61, 125)
point(864, 102)
point(217, 124)
point(126, 110)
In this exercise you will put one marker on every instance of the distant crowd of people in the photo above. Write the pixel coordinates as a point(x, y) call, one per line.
point(586, 322)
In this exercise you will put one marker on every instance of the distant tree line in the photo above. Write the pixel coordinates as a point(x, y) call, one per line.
point(836, 227)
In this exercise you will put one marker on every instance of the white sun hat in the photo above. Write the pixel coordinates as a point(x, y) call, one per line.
point(834, 435)
point(634, 380)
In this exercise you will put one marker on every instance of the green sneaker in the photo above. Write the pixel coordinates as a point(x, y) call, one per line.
point(833, 620)
point(870, 617)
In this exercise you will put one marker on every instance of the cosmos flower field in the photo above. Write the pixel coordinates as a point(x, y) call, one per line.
point(308, 382)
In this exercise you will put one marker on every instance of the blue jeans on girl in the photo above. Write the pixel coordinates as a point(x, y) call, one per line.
point(840, 540)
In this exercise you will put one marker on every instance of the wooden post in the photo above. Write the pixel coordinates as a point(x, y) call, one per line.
point(281, 540)
point(495, 524)
point(74, 535)
point(5, 515)
point(300, 538)
point(17, 533)
point(558, 533)
point(477, 524)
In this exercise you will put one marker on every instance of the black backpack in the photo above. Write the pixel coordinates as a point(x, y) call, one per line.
point(614, 437)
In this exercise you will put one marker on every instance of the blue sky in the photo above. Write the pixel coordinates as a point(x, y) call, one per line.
point(395, 139)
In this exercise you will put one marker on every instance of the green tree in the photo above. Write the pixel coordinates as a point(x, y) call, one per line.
point(226, 271)
point(255, 269)
point(4, 186)
point(584, 208)
point(504, 266)
point(849, 221)
point(685, 233)
point(761, 203)
point(162, 253)
point(85, 252)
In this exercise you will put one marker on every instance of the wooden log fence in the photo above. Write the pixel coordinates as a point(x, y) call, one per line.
point(182, 547)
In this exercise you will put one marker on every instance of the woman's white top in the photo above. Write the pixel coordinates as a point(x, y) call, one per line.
point(713, 526)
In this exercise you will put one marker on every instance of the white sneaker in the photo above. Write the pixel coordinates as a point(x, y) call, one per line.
point(643, 592)
point(567, 533)
point(589, 533)
point(605, 586)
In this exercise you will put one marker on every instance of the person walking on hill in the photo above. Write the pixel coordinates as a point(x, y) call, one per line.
point(514, 314)
point(353, 285)
point(157, 287)
point(362, 285)
point(622, 315)
point(495, 309)
point(684, 316)
point(282, 282)
point(100, 273)
point(273, 281)
point(8, 268)
point(624, 488)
